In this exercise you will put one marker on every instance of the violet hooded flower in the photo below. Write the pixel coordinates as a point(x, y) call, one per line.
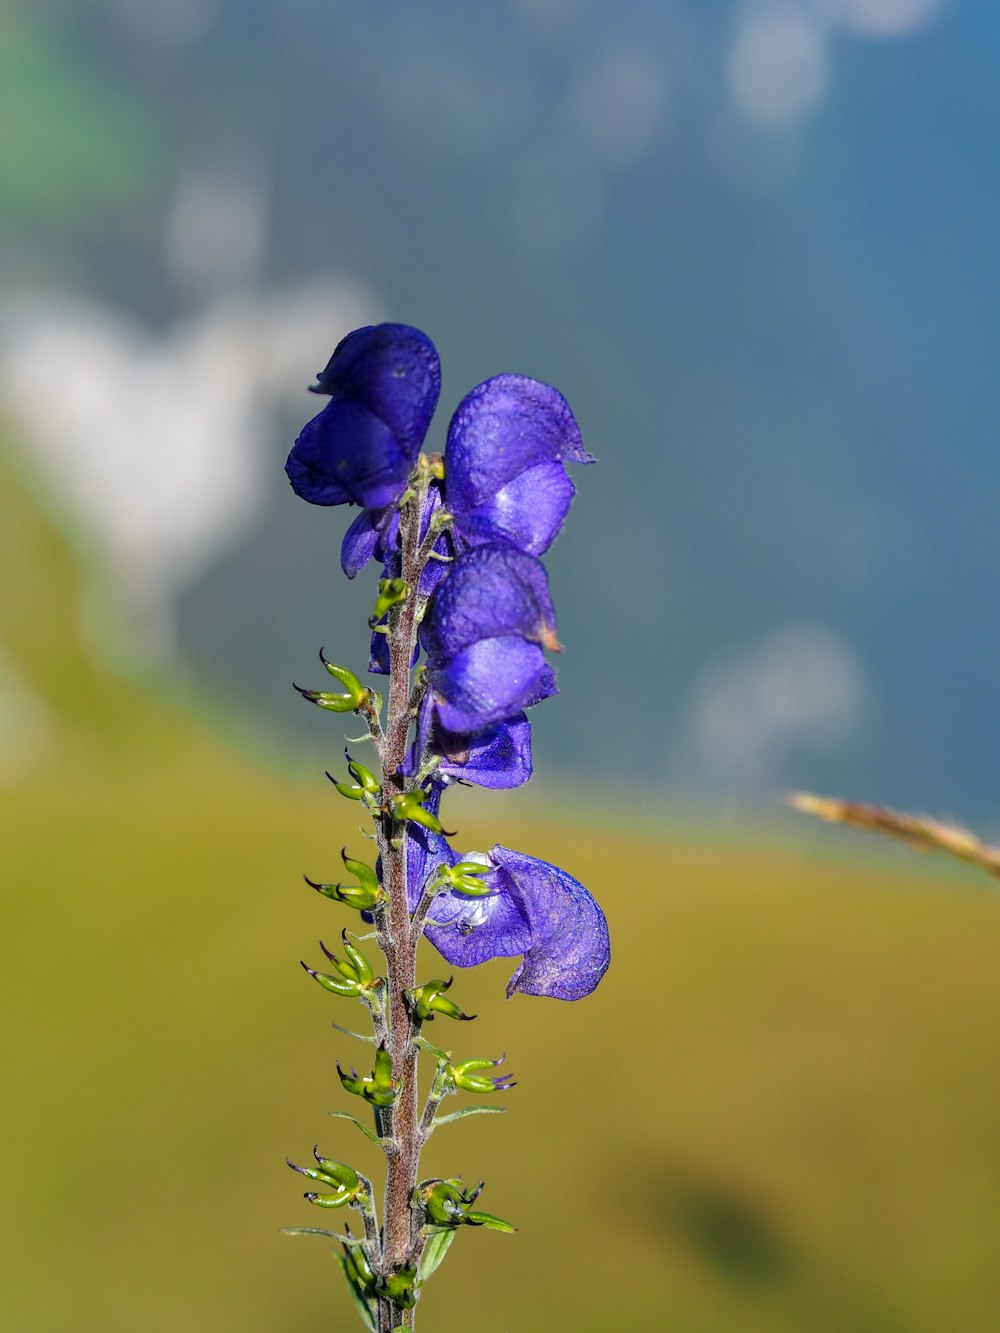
point(532, 909)
point(498, 757)
point(483, 635)
point(383, 383)
point(504, 473)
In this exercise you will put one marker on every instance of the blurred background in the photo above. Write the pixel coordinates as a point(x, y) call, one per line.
point(753, 242)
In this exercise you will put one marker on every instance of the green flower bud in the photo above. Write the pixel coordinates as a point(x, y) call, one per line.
point(351, 792)
point(390, 593)
point(367, 779)
point(464, 1076)
point(398, 1287)
point(361, 898)
point(345, 1182)
point(427, 1000)
point(364, 874)
point(360, 967)
point(337, 985)
point(409, 808)
point(378, 1088)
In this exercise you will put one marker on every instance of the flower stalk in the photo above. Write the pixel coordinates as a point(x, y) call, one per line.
point(459, 538)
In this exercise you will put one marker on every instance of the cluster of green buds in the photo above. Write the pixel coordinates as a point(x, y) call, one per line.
point(429, 999)
point(353, 977)
point(465, 1075)
point(354, 698)
point(464, 877)
point(378, 1088)
point(347, 1186)
point(408, 808)
point(365, 786)
point(364, 896)
point(446, 1203)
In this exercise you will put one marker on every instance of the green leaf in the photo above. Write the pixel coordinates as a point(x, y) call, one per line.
point(466, 1110)
point(370, 1133)
point(317, 1231)
point(360, 1304)
point(434, 1252)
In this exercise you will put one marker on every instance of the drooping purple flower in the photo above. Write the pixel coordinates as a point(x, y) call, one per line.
point(498, 757)
point(383, 383)
point(504, 473)
point(533, 909)
point(483, 635)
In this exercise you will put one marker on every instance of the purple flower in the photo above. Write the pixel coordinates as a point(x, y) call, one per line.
point(497, 757)
point(483, 635)
point(383, 383)
point(533, 909)
point(504, 477)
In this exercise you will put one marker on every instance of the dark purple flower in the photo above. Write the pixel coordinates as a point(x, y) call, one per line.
point(497, 757)
point(504, 473)
point(383, 383)
point(483, 635)
point(533, 908)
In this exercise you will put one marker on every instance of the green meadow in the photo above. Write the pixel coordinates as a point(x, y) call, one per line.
point(780, 1110)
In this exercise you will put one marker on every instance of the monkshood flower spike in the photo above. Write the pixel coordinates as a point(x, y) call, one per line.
point(462, 625)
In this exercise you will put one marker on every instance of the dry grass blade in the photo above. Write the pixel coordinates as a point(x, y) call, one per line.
point(921, 832)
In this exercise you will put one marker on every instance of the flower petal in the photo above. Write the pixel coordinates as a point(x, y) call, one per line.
point(528, 512)
point(489, 682)
point(569, 950)
point(383, 384)
point(503, 427)
point(391, 369)
point(491, 591)
point(470, 931)
point(498, 757)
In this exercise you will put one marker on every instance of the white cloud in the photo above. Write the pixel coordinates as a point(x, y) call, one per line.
point(778, 69)
point(159, 446)
point(800, 690)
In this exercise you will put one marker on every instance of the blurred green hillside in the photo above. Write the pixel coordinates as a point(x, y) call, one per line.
point(779, 1112)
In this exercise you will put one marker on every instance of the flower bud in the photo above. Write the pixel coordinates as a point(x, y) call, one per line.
point(427, 1000)
point(447, 1204)
point(337, 985)
point(364, 776)
point(390, 593)
point(361, 898)
point(409, 808)
point(345, 1182)
point(379, 1088)
point(398, 1287)
point(464, 1076)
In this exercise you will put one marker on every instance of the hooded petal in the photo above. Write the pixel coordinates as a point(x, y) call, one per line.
point(499, 757)
point(569, 950)
point(528, 512)
point(534, 909)
point(469, 931)
point(383, 384)
point(392, 370)
point(491, 591)
point(503, 427)
point(364, 537)
point(489, 682)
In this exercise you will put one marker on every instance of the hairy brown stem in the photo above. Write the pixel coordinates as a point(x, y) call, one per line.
point(400, 1228)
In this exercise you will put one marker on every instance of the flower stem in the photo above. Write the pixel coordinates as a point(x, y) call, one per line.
point(400, 1229)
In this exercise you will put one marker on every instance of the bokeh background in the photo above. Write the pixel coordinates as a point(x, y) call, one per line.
point(754, 243)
